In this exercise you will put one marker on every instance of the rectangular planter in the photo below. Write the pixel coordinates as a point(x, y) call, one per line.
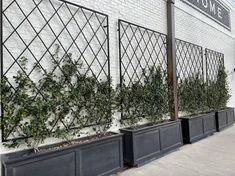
point(198, 127)
point(147, 143)
point(99, 157)
point(224, 118)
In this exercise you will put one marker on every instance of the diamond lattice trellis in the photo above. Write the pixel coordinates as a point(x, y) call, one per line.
point(140, 49)
point(189, 60)
point(32, 29)
point(214, 60)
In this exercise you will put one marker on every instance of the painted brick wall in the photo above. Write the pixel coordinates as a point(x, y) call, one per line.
point(151, 14)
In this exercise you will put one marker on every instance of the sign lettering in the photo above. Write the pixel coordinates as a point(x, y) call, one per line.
point(213, 9)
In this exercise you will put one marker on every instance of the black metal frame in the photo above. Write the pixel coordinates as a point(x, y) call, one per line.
point(1, 62)
point(189, 61)
point(102, 45)
point(189, 58)
point(137, 34)
point(214, 60)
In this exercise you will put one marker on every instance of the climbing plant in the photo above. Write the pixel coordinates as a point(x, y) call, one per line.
point(131, 100)
point(146, 99)
point(67, 102)
point(156, 94)
point(218, 91)
point(23, 109)
point(192, 95)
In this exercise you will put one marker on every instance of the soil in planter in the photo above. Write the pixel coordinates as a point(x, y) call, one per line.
point(66, 144)
point(223, 109)
point(74, 142)
point(191, 116)
point(148, 125)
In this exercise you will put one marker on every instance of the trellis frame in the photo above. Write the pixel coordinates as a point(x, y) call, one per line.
point(102, 25)
point(190, 61)
point(182, 54)
point(213, 61)
point(161, 43)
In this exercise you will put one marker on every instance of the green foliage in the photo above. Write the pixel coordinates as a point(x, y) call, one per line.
point(8, 105)
point(67, 99)
point(155, 94)
point(21, 108)
point(131, 100)
point(218, 91)
point(144, 100)
point(100, 106)
point(192, 95)
point(197, 96)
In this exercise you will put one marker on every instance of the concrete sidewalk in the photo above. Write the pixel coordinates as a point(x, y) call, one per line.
point(213, 156)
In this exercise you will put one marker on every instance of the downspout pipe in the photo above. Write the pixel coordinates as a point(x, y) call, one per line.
point(171, 59)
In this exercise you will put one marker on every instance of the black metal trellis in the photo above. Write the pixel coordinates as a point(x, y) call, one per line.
point(214, 60)
point(31, 28)
point(140, 48)
point(189, 60)
point(1, 63)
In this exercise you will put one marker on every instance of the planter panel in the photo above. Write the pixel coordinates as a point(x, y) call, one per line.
point(63, 165)
point(128, 154)
point(171, 137)
point(150, 142)
point(209, 124)
point(221, 120)
point(100, 157)
point(48, 167)
point(195, 129)
point(224, 118)
point(230, 116)
point(198, 127)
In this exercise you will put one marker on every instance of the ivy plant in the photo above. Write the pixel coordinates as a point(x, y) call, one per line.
point(100, 106)
point(131, 100)
point(155, 94)
point(8, 106)
point(218, 91)
point(61, 100)
point(192, 95)
point(22, 110)
point(145, 99)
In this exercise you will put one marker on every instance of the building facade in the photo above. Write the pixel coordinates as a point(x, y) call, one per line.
point(191, 24)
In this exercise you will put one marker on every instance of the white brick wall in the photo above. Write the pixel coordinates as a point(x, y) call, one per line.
point(150, 14)
point(190, 26)
point(197, 28)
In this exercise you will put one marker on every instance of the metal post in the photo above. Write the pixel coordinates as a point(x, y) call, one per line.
point(171, 59)
point(1, 66)
point(120, 63)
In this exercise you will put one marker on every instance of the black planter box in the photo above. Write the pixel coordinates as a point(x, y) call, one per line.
point(224, 118)
point(100, 157)
point(198, 127)
point(150, 142)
